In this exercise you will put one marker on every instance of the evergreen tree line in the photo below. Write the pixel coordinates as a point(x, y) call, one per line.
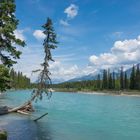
point(108, 81)
point(18, 80)
point(112, 80)
point(12, 79)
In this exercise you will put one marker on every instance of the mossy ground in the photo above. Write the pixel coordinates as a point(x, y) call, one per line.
point(3, 135)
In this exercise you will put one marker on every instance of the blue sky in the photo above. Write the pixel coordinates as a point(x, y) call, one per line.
point(92, 35)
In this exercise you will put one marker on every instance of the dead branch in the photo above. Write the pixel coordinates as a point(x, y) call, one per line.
point(41, 117)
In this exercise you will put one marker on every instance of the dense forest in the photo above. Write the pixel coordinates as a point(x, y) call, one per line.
point(13, 79)
point(107, 81)
point(18, 80)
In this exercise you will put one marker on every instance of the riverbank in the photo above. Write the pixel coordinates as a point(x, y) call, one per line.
point(113, 93)
point(102, 92)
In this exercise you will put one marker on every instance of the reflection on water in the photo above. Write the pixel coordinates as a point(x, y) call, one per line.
point(43, 133)
point(27, 129)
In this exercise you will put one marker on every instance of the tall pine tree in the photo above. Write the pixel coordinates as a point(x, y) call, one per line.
point(113, 80)
point(105, 80)
point(125, 81)
point(50, 43)
point(133, 78)
point(121, 79)
point(110, 81)
point(138, 77)
point(98, 81)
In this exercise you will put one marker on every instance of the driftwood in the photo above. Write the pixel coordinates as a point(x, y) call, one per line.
point(25, 109)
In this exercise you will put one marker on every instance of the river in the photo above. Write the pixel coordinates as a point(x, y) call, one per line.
point(73, 117)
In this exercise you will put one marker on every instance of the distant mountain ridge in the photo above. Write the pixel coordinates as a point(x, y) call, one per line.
point(92, 76)
point(83, 78)
point(57, 81)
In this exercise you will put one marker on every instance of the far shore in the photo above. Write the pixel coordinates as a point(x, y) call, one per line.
point(104, 92)
point(113, 93)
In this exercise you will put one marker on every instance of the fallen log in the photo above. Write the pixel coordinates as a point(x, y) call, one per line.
point(25, 109)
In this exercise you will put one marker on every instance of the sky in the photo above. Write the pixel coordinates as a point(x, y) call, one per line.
point(92, 35)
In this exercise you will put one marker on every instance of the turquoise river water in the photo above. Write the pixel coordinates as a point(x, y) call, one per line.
point(74, 117)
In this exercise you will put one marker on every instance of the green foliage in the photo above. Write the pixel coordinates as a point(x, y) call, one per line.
point(13, 79)
point(105, 80)
point(113, 80)
point(4, 78)
point(8, 40)
point(121, 78)
point(133, 78)
point(18, 80)
point(137, 84)
point(110, 81)
point(126, 81)
point(98, 82)
point(3, 135)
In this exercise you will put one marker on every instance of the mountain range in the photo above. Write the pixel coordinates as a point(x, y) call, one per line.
point(93, 76)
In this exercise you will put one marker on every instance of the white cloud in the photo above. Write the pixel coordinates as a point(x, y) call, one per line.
point(31, 58)
point(71, 11)
point(19, 34)
point(66, 72)
point(60, 70)
point(122, 53)
point(126, 45)
point(103, 59)
point(38, 34)
point(64, 22)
